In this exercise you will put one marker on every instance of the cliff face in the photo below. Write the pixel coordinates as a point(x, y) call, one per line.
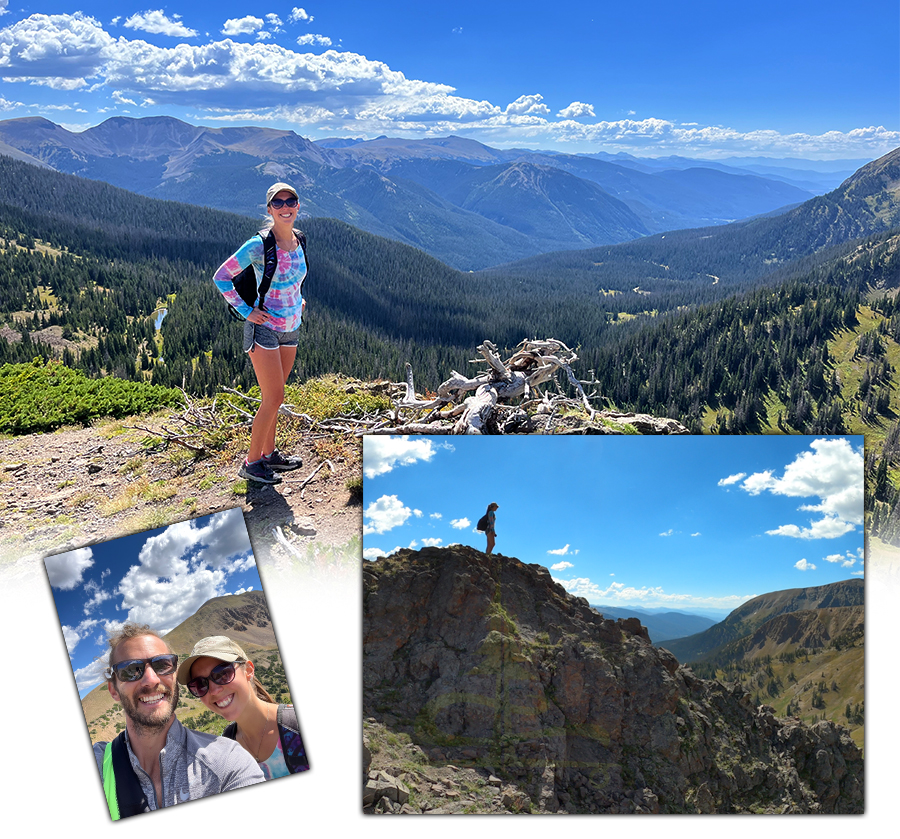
point(486, 662)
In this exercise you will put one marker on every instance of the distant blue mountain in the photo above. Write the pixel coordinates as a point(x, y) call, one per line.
point(469, 205)
point(662, 625)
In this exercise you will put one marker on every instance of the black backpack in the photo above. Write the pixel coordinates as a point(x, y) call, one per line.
point(289, 733)
point(482, 523)
point(245, 282)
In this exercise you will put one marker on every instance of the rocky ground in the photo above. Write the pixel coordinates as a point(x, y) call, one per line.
point(79, 486)
point(400, 778)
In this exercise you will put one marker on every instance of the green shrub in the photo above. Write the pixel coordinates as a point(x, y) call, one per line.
point(43, 395)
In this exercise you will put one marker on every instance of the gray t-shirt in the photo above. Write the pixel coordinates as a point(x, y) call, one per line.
point(193, 765)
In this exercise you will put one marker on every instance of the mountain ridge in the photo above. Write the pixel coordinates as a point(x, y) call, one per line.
point(748, 617)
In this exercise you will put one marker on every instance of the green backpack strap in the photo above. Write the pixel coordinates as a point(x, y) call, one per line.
point(124, 794)
point(109, 783)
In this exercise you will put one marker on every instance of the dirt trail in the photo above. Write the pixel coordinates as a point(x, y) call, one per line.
point(78, 486)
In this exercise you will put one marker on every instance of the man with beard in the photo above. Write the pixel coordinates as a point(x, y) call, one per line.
point(157, 762)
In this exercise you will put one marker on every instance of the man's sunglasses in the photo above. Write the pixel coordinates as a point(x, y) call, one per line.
point(133, 669)
point(278, 203)
point(221, 674)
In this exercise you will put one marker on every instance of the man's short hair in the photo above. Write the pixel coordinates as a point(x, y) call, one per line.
point(126, 632)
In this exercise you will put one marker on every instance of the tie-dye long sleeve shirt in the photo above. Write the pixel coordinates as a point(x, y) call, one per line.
point(284, 301)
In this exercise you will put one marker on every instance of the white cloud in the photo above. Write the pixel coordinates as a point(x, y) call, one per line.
point(560, 551)
point(832, 472)
point(164, 593)
point(857, 573)
point(846, 560)
point(320, 40)
point(385, 514)
point(243, 25)
point(460, 524)
point(98, 596)
point(342, 91)
point(431, 542)
point(648, 595)
point(371, 554)
point(274, 21)
point(697, 534)
point(732, 479)
point(222, 544)
point(528, 104)
point(71, 637)
point(157, 23)
point(561, 566)
point(577, 109)
point(436, 516)
point(92, 674)
point(65, 571)
point(181, 568)
point(382, 454)
point(54, 46)
point(803, 565)
point(830, 527)
point(669, 532)
point(74, 634)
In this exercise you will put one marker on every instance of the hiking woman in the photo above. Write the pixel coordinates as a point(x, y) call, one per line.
point(220, 675)
point(489, 531)
point(271, 331)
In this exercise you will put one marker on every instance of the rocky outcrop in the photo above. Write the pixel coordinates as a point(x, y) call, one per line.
point(484, 662)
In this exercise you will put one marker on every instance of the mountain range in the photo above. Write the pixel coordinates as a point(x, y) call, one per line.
point(467, 204)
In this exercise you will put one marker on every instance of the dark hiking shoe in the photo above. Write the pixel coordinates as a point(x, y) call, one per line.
point(258, 472)
point(277, 462)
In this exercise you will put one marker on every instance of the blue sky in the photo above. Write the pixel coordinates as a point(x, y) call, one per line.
point(687, 523)
point(816, 80)
point(160, 577)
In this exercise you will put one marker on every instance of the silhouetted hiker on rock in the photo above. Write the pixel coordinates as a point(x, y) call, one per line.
point(489, 526)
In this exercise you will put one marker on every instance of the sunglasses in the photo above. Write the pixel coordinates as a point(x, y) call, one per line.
point(221, 674)
point(278, 203)
point(133, 669)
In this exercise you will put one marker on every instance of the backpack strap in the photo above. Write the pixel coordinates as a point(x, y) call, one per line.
point(270, 263)
point(230, 731)
point(124, 794)
point(291, 741)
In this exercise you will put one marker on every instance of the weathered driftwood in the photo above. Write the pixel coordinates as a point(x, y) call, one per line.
point(533, 364)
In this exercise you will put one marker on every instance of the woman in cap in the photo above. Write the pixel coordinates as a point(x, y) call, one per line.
point(219, 673)
point(271, 332)
point(491, 522)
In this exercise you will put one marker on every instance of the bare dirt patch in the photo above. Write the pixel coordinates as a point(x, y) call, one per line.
point(79, 486)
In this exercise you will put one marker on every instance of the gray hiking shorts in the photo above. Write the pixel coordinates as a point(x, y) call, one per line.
point(257, 335)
